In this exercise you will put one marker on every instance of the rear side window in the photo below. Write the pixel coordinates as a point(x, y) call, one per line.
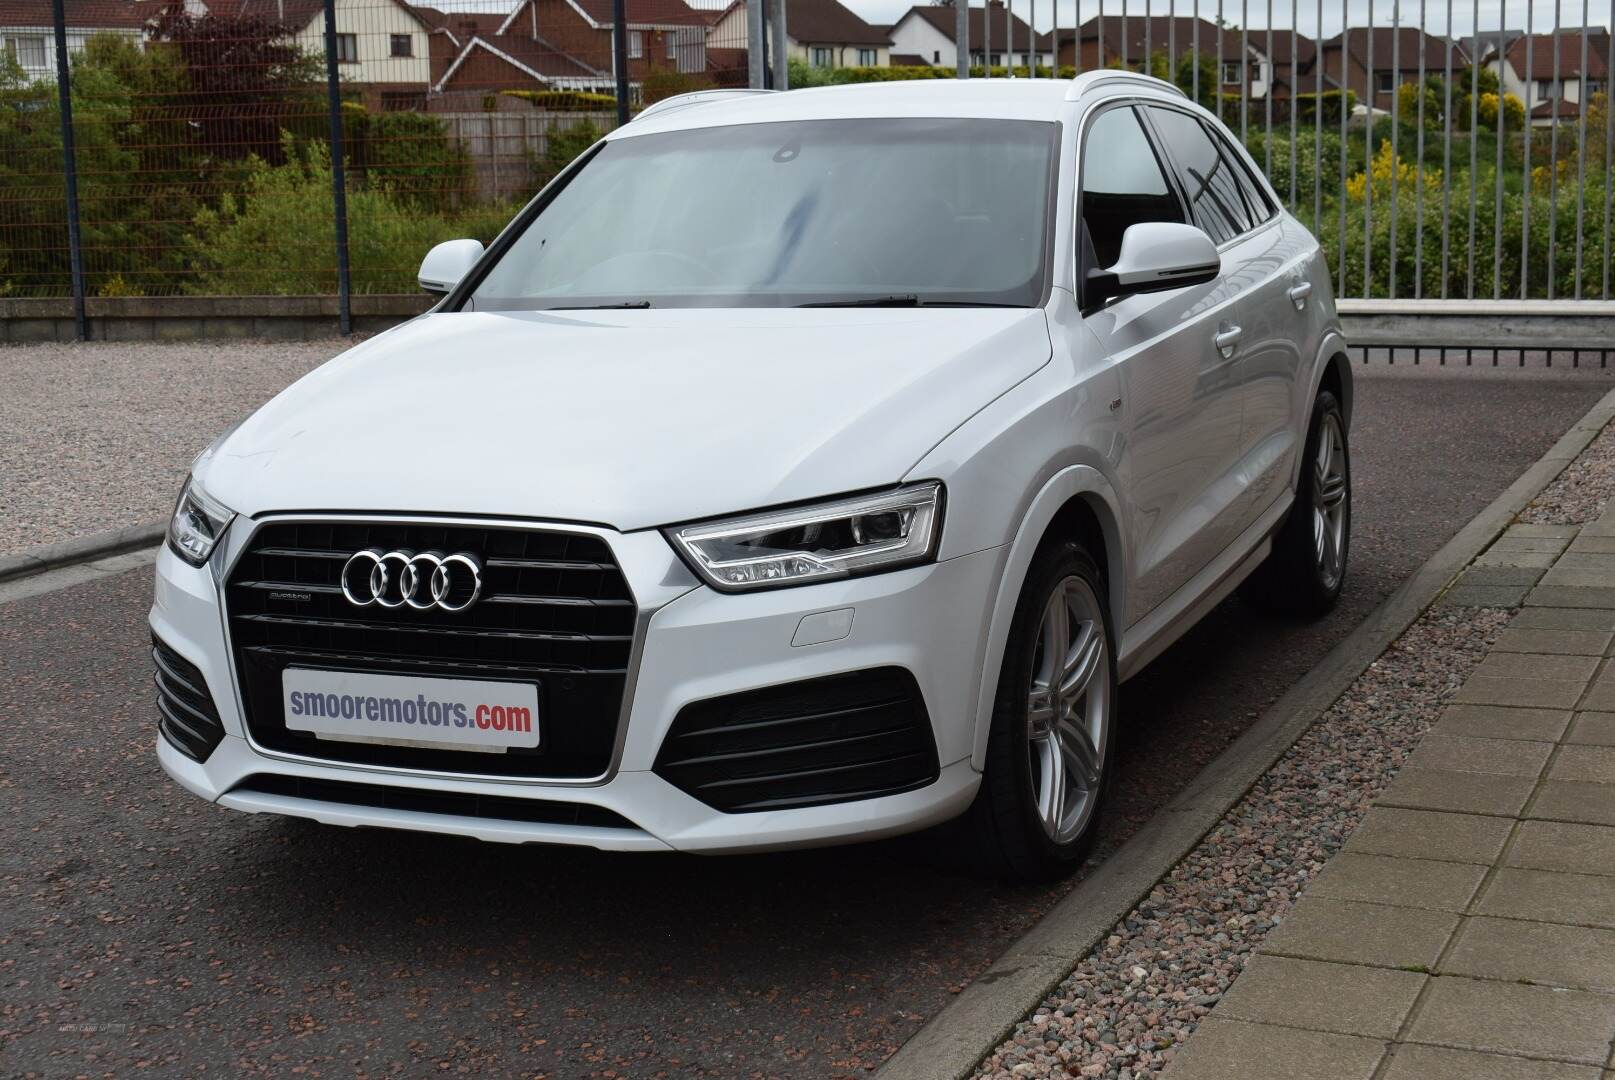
point(1122, 182)
point(1214, 184)
point(1261, 207)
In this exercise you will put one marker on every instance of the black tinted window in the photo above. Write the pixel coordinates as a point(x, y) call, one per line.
point(1256, 200)
point(1211, 182)
point(1122, 183)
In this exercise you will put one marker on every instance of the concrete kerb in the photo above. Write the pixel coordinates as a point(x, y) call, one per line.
point(37, 560)
point(955, 1041)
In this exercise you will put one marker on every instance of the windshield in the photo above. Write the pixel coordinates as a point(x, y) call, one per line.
point(898, 212)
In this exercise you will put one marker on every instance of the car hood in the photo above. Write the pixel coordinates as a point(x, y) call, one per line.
point(629, 419)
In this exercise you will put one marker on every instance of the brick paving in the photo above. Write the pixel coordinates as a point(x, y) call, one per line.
point(1467, 928)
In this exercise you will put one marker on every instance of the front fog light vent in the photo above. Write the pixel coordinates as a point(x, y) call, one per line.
point(859, 735)
point(185, 712)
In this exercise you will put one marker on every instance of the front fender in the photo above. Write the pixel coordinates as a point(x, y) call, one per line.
point(1075, 481)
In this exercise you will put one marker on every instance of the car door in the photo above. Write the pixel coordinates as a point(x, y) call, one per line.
point(1228, 201)
point(1178, 406)
point(1275, 301)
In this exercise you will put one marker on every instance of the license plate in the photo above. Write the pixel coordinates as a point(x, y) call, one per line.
point(409, 710)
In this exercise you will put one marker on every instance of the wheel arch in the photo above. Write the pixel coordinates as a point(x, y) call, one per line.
point(1333, 373)
point(1077, 502)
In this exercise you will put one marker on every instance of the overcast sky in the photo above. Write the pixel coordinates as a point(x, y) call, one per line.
point(1511, 13)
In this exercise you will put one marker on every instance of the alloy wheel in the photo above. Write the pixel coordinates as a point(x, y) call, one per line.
point(1068, 710)
point(1329, 501)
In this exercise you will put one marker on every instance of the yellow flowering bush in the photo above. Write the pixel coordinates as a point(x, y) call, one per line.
point(1387, 169)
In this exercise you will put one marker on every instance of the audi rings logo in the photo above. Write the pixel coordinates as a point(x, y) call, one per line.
point(423, 580)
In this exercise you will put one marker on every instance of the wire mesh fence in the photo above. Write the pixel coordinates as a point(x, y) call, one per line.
point(1435, 153)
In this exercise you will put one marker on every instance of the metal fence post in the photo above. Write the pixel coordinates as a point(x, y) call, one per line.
point(961, 37)
point(782, 48)
point(339, 189)
point(64, 92)
point(619, 56)
point(756, 60)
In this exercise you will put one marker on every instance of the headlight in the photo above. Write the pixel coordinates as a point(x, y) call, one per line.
point(197, 524)
point(859, 535)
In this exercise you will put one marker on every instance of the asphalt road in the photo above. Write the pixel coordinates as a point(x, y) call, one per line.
point(142, 929)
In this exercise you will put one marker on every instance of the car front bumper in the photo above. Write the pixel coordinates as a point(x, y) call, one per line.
point(694, 644)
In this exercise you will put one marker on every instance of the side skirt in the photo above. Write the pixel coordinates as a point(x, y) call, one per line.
point(1154, 633)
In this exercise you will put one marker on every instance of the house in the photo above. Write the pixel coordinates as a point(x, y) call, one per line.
point(27, 28)
point(1554, 88)
point(382, 49)
point(1175, 38)
point(1396, 58)
point(996, 37)
point(663, 35)
point(487, 63)
point(823, 33)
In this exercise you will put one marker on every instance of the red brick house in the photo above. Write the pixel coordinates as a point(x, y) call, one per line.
point(663, 35)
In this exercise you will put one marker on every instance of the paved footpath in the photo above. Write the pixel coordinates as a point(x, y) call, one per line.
point(1467, 928)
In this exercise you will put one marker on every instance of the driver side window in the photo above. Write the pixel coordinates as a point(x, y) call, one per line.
point(1122, 183)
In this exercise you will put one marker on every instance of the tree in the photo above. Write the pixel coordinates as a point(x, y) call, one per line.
point(247, 80)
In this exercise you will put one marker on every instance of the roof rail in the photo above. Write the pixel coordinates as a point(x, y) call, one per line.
point(1090, 79)
point(695, 97)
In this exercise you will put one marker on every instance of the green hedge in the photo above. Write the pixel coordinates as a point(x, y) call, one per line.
point(564, 100)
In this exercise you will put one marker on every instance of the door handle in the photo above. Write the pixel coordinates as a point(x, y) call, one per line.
point(1299, 293)
point(1226, 340)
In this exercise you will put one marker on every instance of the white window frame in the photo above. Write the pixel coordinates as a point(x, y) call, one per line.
point(1384, 82)
point(1230, 66)
point(672, 45)
point(14, 48)
point(868, 57)
point(347, 48)
point(636, 45)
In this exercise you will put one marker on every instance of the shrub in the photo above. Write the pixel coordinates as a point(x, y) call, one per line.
point(409, 155)
point(277, 236)
point(1333, 103)
point(564, 100)
point(563, 145)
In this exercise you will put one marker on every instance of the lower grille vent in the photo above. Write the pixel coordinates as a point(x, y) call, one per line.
point(185, 712)
point(834, 739)
point(455, 803)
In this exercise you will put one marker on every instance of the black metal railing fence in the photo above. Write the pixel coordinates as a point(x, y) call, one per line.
point(321, 146)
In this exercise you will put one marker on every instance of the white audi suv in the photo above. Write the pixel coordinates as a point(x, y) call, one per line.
point(794, 469)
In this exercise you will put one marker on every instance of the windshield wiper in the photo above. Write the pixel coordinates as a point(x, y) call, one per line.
point(897, 300)
point(601, 307)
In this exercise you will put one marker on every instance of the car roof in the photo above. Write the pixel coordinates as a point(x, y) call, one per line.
point(1000, 99)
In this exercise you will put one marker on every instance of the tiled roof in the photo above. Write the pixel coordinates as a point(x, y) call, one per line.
point(1404, 44)
point(827, 22)
point(943, 19)
point(102, 14)
point(1540, 48)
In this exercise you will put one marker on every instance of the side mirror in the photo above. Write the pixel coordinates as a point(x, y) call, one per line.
point(447, 263)
point(1155, 256)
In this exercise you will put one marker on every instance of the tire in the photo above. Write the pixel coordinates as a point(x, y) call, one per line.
point(1307, 569)
point(1014, 828)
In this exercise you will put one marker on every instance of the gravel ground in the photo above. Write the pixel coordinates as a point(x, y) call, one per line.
point(129, 415)
point(1582, 491)
point(1143, 991)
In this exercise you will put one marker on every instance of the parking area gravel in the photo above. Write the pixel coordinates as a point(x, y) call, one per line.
point(141, 927)
point(97, 436)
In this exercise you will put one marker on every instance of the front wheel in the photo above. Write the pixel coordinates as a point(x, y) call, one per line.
point(1050, 750)
point(1307, 568)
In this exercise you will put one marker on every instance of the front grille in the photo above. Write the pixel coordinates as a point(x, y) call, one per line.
point(456, 803)
point(555, 611)
point(185, 711)
point(832, 739)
